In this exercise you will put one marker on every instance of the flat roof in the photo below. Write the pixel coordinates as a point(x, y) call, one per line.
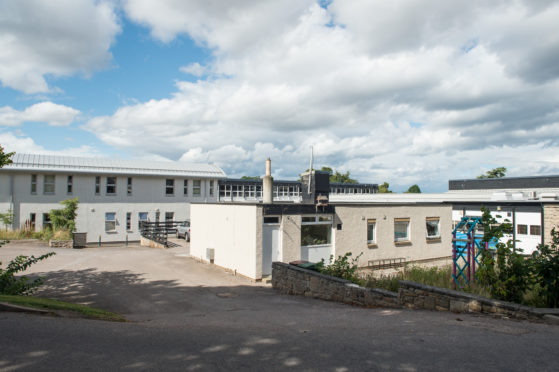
point(65, 164)
point(551, 181)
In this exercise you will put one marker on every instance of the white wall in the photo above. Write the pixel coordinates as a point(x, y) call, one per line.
point(232, 231)
point(148, 195)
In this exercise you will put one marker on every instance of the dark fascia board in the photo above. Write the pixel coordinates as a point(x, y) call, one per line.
point(504, 202)
point(353, 185)
point(505, 183)
point(280, 209)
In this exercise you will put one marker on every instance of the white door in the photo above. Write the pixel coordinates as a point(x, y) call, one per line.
point(271, 247)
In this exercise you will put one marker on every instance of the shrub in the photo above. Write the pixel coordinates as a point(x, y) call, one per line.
point(65, 218)
point(342, 267)
point(11, 285)
point(546, 270)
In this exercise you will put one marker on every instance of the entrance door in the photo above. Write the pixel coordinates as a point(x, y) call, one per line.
point(271, 246)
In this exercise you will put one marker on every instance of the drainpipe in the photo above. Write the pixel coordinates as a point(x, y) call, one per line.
point(542, 223)
point(12, 201)
point(514, 229)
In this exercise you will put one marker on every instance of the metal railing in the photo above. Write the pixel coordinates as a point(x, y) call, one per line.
point(159, 231)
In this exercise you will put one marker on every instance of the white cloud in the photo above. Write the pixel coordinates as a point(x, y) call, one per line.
point(21, 144)
point(58, 38)
point(51, 113)
point(194, 69)
point(402, 91)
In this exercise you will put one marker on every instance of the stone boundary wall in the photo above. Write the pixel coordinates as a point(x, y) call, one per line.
point(144, 242)
point(290, 279)
point(61, 243)
point(419, 296)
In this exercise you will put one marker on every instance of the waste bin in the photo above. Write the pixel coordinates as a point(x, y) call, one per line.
point(80, 239)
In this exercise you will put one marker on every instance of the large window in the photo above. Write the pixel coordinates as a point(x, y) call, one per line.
point(70, 184)
point(129, 186)
point(316, 230)
point(401, 229)
point(48, 184)
point(110, 221)
point(33, 184)
point(142, 216)
point(111, 185)
point(196, 187)
point(535, 230)
point(371, 233)
point(433, 231)
point(169, 187)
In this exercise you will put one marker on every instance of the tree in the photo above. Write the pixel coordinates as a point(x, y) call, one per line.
point(494, 173)
point(5, 159)
point(414, 189)
point(7, 218)
point(384, 188)
point(65, 218)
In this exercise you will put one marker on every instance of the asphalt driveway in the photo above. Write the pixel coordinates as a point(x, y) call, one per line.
point(186, 315)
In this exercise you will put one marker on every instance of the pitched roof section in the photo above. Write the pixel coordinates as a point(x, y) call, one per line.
point(66, 164)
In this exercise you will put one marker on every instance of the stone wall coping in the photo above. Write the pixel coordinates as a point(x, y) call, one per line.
point(483, 300)
point(300, 269)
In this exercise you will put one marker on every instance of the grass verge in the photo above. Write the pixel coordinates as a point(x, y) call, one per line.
point(50, 304)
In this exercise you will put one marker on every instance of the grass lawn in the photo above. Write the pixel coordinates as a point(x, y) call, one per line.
point(50, 304)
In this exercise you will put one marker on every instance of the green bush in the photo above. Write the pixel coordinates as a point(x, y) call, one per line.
point(22, 285)
point(342, 267)
point(546, 270)
point(65, 218)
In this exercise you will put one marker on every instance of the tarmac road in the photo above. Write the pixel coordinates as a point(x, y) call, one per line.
point(185, 315)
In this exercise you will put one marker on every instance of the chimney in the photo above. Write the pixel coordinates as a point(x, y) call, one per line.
point(268, 184)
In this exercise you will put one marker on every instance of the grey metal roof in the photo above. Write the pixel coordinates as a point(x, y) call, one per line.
point(551, 181)
point(56, 163)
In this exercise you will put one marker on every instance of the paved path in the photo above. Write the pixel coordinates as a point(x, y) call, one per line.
point(186, 315)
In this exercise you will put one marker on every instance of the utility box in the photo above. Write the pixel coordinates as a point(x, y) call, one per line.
point(210, 252)
point(80, 239)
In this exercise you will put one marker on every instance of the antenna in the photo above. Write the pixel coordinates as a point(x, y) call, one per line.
point(310, 172)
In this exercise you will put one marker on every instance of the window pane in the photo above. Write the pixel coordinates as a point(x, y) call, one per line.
point(48, 186)
point(142, 216)
point(401, 231)
point(111, 185)
point(309, 219)
point(433, 229)
point(129, 186)
point(185, 188)
point(70, 184)
point(110, 221)
point(196, 189)
point(371, 232)
point(535, 230)
point(325, 218)
point(169, 187)
point(522, 229)
point(315, 234)
point(97, 185)
point(33, 183)
point(271, 219)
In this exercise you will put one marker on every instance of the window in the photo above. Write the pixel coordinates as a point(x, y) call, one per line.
point(110, 221)
point(32, 219)
point(169, 216)
point(46, 221)
point(97, 185)
point(142, 216)
point(169, 187)
point(185, 188)
point(128, 221)
point(316, 230)
point(433, 231)
point(535, 230)
point(129, 186)
point(522, 229)
point(371, 233)
point(401, 229)
point(196, 187)
point(48, 184)
point(211, 188)
point(271, 219)
point(237, 191)
point(33, 184)
point(70, 184)
point(111, 185)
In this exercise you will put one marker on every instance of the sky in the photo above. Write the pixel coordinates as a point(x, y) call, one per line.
point(404, 92)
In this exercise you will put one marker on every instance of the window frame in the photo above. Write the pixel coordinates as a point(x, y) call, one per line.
point(97, 185)
point(524, 227)
point(372, 243)
point(140, 219)
point(128, 221)
point(185, 188)
point(533, 227)
point(320, 220)
point(113, 221)
point(407, 239)
point(211, 188)
point(33, 184)
point(107, 185)
point(169, 187)
point(197, 188)
point(45, 184)
point(129, 186)
point(433, 238)
point(70, 185)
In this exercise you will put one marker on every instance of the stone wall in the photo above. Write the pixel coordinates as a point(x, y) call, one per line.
point(290, 279)
point(418, 296)
point(144, 242)
point(61, 243)
point(551, 220)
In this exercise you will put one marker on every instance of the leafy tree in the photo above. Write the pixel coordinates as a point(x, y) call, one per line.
point(11, 285)
point(414, 189)
point(337, 177)
point(507, 274)
point(384, 188)
point(546, 270)
point(5, 158)
point(65, 218)
point(7, 218)
point(494, 173)
point(250, 178)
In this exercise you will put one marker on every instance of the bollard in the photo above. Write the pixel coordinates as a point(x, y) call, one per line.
point(99, 240)
point(127, 240)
